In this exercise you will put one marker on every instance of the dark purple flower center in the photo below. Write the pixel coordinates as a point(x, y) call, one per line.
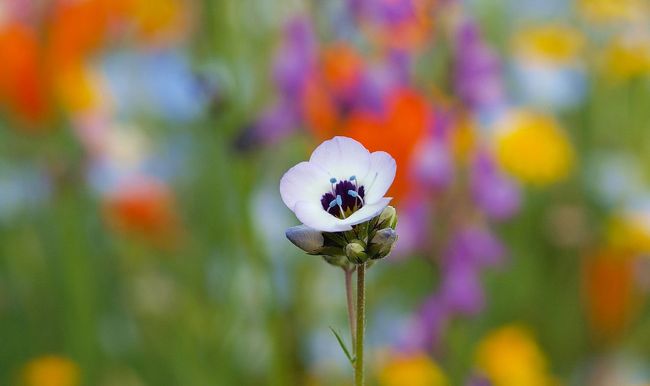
point(345, 198)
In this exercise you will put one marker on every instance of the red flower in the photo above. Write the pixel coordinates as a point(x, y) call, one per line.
point(24, 86)
point(397, 131)
point(144, 208)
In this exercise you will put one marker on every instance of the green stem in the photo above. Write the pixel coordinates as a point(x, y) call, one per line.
point(350, 301)
point(361, 321)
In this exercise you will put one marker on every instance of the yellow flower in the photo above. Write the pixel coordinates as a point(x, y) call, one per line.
point(510, 356)
point(533, 148)
point(630, 232)
point(78, 89)
point(627, 57)
point(551, 42)
point(51, 370)
point(463, 138)
point(607, 11)
point(412, 370)
point(158, 18)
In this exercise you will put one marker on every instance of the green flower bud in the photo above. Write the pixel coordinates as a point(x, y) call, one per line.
point(338, 261)
point(306, 238)
point(382, 243)
point(356, 252)
point(387, 218)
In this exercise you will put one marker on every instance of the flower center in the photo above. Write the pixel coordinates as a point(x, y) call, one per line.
point(345, 198)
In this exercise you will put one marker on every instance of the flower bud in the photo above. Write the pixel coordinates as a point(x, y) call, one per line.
point(356, 252)
point(337, 261)
point(382, 243)
point(305, 238)
point(387, 218)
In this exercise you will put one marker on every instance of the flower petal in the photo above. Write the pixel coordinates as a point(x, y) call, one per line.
point(368, 211)
point(305, 181)
point(342, 157)
point(380, 176)
point(314, 216)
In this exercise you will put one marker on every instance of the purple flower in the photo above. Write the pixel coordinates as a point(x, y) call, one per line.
point(276, 122)
point(425, 330)
point(461, 290)
point(433, 165)
point(413, 227)
point(294, 63)
point(381, 79)
point(400, 63)
point(383, 12)
point(475, 246)
point(494, 193)
point(469, 251)
point(393, 12)
point(296, 58)
point(477, 78)
point(460, 294)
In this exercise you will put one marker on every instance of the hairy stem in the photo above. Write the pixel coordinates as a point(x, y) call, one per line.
point(361, 321)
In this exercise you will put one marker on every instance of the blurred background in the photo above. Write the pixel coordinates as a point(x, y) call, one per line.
point(142, 233)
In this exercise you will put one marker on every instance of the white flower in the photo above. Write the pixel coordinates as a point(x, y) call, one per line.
point(341, 185)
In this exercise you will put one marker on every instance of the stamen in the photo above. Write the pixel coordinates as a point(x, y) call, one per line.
point(346, 194)
point(356, 195)
point(339, 201)
point(354, 180)
point(332, 182)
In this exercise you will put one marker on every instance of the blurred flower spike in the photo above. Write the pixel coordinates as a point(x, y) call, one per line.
point(339, 197)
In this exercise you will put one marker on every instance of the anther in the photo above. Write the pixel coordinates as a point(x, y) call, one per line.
point(356, 195)
point(332, 180)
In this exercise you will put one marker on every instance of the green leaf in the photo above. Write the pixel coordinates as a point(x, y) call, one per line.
point(342, 344)
point(336, 238)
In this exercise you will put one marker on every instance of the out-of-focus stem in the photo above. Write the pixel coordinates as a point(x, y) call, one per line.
point(350, 300)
